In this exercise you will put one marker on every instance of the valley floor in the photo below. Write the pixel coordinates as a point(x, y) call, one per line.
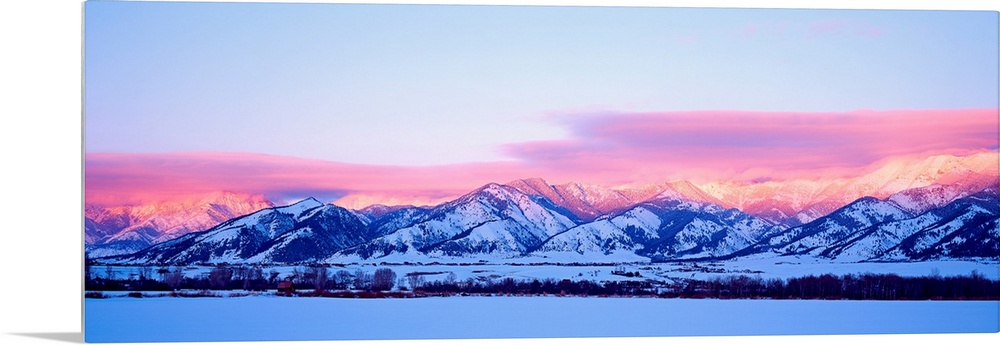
point(282, 318)
point(777, 267)
point(247, 316)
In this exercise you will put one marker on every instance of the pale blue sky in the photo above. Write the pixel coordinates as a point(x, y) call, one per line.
point(388, 84)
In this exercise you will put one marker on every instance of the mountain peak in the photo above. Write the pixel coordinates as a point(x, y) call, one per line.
point(871, 210)
point(310, 201)
point(301, 206)
point(865, 200)
point(531, 181)
point(490, 190)
point(491, 187)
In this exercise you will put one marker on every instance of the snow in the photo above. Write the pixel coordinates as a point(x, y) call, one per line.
point(810, 199)
point(282, 318)
point(641, 218)
point(301, 206)
point(496, 218)
point(587, 238)
point(492, 233)
point(533, 267)
point(222, 235)
point(266, 317)
point(612, 257)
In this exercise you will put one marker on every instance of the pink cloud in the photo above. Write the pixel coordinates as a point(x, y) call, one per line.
point(752, 145)
point(120, 178)
point(612, 149)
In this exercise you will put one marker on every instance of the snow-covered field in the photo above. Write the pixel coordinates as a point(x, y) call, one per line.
point(781, 267)
point(267, 317)
point(284, 318)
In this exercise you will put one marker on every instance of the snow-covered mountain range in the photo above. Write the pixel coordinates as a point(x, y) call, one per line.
point(928, 183)
point(125, 229)
point(945, 207)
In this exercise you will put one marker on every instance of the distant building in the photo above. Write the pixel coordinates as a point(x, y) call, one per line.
point(286, 288)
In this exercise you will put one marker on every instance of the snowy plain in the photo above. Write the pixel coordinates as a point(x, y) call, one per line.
point(290, 318)
point(268, 317)
point(528, 269)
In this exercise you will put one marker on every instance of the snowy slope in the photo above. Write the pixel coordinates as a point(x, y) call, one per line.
point(701, 230)
point(584, 202)
point(967, 227)
point(812, 238)
point(494, 219)
point(944, 191)
point(874, 230)
point(668, 226)
point(875, 241)
point(295, 233)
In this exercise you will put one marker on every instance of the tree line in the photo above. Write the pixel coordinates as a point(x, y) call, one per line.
point(866, 286)
point(250, 278)
point(322, 281)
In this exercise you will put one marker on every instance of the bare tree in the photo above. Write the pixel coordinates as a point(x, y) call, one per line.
point(273, 276)
point(219, 277)
point(341, 279)
point(174, 278)
point(253, 278)
point(240, 273)
point(384, 279)
point(362, 280)
point(145, 272)
point(416, 281)
point(296, 276)
point(109, 272)
point(320, 276)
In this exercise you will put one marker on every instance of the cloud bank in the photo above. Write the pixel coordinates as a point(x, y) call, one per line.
point(610, 148)
point(757, 145)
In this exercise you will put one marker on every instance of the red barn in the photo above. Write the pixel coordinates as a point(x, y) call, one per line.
point(286, 288)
